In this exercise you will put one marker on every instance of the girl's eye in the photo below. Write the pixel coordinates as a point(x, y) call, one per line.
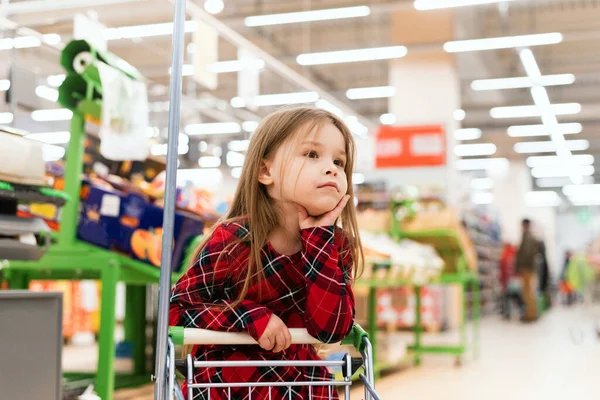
point(312, 154)
point(339, 163)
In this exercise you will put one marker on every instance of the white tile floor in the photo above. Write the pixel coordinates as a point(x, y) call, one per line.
point(556, 358)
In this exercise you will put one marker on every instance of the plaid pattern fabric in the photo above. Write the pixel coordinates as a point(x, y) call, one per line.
point(310, 289)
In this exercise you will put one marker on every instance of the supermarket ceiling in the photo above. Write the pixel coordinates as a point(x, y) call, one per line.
point(370, 26)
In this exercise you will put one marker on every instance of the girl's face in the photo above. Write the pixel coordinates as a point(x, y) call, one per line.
point(309, 170)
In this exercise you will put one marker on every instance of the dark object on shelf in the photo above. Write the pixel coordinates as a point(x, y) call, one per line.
point(31, 194)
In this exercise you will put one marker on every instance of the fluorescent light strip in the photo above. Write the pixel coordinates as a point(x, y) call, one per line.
point(141, 31)
point(327, 106)
point(585, 202)
point(522, 82)
point(267, 100)
point(387, 119)
point(59, 114)
point(530, 64)
point(506, 42)
point(482, 183)
point(582, 190)
point(161, 149)
point(550, 147)
point(209, 162)
point(467, 134)
point(200, 177)
point(459, 115)
point(474, 164)
point(236, 172)
point(47, 93)
point(238, 145)
point(358, 178)
point(56, 80)
point(534, 111)
point(571, 128)
point(357, 55)
point(477, 149)
point(542, 199)
point(307, 16)
point(222, 67)
point(562, 170)
point(249, 126)
point(356, 127)
point(60, 137)
point(482, 198)
point(424, 5)
point(6, 118)
point(560, 182)
point(543, 161)
point(24, 42)
point(4, 85)
point(375, 92)
point(235, 159)
point(51, 152)
point(214, 128)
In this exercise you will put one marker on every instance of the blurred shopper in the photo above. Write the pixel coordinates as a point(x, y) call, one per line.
point(544, 276)
point(510, 282)
point(565, 287)
point(526, 268)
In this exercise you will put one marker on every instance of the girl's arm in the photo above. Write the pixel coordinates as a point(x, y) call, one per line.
point(329, 313)
point(204, 296)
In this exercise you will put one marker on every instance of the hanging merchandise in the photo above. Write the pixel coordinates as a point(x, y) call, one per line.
point(124, 115)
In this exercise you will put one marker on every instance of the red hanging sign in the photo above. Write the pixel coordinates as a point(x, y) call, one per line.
point(410, 146)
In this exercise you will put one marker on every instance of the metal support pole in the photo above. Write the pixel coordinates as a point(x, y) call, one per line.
point(160, 384)
point(418, 328)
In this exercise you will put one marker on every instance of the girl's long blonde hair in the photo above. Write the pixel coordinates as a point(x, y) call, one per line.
point(252, 202)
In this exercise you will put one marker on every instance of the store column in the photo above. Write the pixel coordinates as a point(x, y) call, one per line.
point(427, 94)
point(427, 89)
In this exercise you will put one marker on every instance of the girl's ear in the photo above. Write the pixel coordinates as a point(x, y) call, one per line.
point(264, 173)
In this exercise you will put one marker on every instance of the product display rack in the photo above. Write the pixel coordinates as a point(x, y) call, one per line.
point(447, 244)
point(486, 237)
point(71, 259)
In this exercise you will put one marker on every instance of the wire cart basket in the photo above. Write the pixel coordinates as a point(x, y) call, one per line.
point(348, 365)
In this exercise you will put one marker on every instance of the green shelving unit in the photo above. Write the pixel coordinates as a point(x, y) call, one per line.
point(71, 259)
point(447, 243)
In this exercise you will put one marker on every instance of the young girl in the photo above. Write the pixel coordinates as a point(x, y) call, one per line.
point(278, 260)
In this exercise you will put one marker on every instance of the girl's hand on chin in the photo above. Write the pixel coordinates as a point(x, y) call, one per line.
point(327, 219)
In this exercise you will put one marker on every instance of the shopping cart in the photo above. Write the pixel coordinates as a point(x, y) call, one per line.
point(349, 365)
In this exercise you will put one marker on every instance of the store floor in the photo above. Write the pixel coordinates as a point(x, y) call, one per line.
point(556, 358)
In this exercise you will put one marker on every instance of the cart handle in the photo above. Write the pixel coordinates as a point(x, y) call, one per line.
point(184, 336)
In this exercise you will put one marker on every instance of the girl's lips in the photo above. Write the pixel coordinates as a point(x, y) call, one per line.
point(329, 185)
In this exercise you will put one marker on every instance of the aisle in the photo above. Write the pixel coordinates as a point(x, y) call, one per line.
point(518, 362)
point(530, 362)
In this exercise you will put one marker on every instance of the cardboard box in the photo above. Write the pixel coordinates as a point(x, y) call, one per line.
point(141, 231)
point(99, 218)
point(130, 224)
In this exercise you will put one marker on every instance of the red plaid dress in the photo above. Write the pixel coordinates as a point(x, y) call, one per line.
point(309, 289)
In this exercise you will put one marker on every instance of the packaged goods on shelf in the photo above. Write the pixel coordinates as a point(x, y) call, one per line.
point(396, 308)
point(130, 223)
point(407, 260)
